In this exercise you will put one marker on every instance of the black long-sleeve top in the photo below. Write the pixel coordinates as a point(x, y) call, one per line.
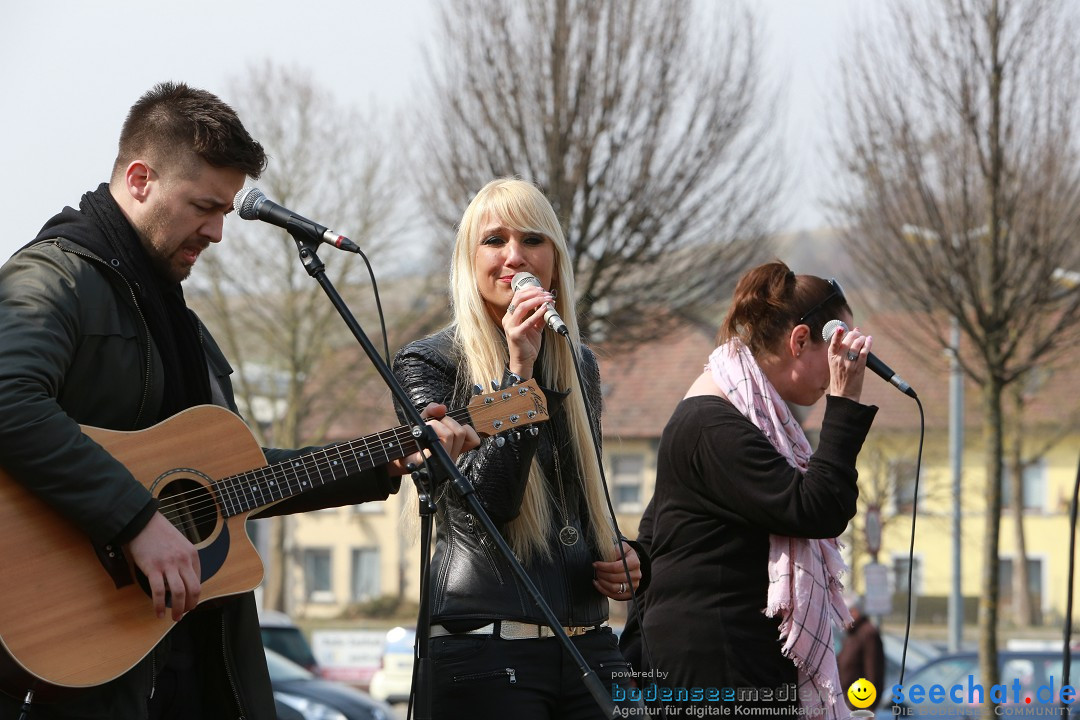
point(721, 490)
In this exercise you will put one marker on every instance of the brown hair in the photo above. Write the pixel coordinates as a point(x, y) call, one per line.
point(770, 299)
point(172, 121)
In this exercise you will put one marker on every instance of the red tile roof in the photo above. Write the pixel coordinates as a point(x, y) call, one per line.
point(922, 362)
point(642, 387)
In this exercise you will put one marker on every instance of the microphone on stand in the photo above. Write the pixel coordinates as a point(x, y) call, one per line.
point(872, 360)
point(252, 204)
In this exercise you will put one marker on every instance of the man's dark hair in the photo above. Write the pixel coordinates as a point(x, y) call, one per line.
point(172, 120)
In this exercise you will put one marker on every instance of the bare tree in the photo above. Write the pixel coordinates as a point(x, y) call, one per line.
point(649, 136)
point(963, 196)
point(1025, 449)
point(276, 325)
point(887, 483)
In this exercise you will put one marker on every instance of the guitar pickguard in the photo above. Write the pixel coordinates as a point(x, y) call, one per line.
point(187, 502)
point(211, 558)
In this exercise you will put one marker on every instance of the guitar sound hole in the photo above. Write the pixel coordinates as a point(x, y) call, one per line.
point(190, 507)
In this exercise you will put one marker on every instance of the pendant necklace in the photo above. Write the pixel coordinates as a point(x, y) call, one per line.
point(569, 534)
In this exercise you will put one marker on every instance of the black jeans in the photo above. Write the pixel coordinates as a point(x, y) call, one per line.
point(479, 676)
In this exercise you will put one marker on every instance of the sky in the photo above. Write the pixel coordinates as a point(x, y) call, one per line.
point(70, 69)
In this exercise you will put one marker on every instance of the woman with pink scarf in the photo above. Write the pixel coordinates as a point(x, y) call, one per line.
point(746, 567)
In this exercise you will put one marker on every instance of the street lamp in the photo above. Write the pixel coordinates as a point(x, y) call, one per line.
point(956, 464)
point(956, 460)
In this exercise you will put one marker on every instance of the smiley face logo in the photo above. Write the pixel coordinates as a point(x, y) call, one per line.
point(862, 693)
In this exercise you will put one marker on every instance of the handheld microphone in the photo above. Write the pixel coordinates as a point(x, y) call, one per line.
point(251, 204)
point(551, 315)
point(872, 360)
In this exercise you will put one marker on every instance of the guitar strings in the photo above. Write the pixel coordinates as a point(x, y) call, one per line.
point(262, 486)
point(312, 461)
point(231, 490)
point(222, 493)
point(228, 492)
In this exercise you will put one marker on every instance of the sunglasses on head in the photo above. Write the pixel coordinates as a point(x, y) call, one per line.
point(837, 291)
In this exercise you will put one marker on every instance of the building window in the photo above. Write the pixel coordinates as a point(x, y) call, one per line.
point(1033, 485)
point(902, 480)
point(900, 567)
point(318, 580)
point(366, 575)
point(1034, 580)
point(627, 471)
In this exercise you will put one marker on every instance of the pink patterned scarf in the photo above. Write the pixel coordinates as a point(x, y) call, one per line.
point(804, 574)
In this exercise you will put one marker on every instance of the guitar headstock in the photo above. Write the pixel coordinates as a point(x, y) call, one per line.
point(516, 406)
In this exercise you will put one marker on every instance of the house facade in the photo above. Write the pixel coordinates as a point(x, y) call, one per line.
point(344, 559)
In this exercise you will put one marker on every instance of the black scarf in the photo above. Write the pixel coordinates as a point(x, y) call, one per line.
point(100, 227)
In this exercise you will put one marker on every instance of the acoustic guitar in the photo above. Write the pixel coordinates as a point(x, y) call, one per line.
point(66, 623)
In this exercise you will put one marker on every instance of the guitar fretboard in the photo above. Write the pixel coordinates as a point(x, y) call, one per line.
point(257, 488)
point(487, 414)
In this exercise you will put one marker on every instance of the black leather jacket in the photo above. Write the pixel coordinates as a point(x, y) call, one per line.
point(74, 349)
point(470, 580)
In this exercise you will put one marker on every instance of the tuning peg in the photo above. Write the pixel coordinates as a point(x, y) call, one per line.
point(509, 379)
point(477, 389)
point(494, 384)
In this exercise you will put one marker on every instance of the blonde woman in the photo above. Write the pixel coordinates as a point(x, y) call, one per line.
point(490, 649)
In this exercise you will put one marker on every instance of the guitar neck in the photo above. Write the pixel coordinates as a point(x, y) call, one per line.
point(258, 488)
point(505, 409)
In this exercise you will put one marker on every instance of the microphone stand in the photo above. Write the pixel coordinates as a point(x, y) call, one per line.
point(439, 460)
point(421, 676)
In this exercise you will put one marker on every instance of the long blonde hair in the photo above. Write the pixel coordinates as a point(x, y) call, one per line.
point(520, 205)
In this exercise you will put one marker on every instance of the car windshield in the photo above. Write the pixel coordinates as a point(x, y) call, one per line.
point(290, 642)
point(947, 671)
point(284, 669)
point(918, 653)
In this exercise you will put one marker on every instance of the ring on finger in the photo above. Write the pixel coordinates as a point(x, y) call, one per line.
point(622, 588)
point(852, 356)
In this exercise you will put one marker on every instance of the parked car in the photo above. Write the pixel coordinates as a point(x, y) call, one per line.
point(918, 654)
point(299, 691)
point(1032, 680)
point(281, 635)
point(392, 682)
point(284, 712)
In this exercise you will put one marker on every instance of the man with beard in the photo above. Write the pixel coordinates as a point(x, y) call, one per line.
point(94, 330)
